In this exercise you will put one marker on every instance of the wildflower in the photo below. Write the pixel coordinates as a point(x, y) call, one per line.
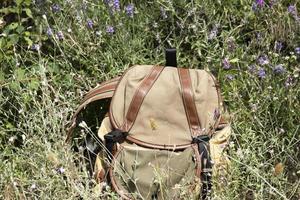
point(163, 13)
point(229, 77)
point(254, 6)
point(49, 32)
point(83, 124)
point(213, 33)
point(90, 23)
point(129, 10)
point(226, 64)
point(278, 69)
point(297, 50)
point(35, 47)
point(292, 10)
point(116, 5)
point(55, 8)
point(289, 81)
point(278, 46)
point(258, 37)
point(261, 73)
point(98, 33)
point(69, 30)
point(33, 186)
point(263, 60)
point(60, 35)
point(12, 139)
point(230, 44)
point(110, 29)
point(61, 170)
point(260, 3)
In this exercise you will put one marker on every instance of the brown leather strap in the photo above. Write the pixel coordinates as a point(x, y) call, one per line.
point(188, 101)
point(139, 96)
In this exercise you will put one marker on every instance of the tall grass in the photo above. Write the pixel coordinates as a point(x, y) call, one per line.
point(66, 47)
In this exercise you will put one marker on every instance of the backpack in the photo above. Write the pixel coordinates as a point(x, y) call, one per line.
point(161, 121)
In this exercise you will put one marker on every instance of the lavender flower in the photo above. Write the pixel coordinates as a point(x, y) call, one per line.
point(60, 35)
point(297, 50)
point(49, 32)
point(278, 69)
point(292, 9)
point(55, 8)
point(278, 46)
point(289, 81)
point(254, 6)
point(261, 73)
point(229, 77)
point(129, 10)
point(260, 3)
point(90, 23)
point(226, 64)
point(263, 60)
point(110, 29)
point(116, 5)
point(35, 47)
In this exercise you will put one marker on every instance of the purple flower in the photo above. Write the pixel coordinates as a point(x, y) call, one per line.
point(229, 77)
point(292, 9)
point(226, 64)
point(116, 5)
point(129, 10)
point(55, 8)
point(254, 6)
point(278, 46)
point(263, 60)
point(297, 50)
point(278, 69)
point(163, 13)
point(90, 23)
point(261, 73)
point(60, 35)
point(260, 3)
point(49, 32)
point(110, 29)
point(35, 47)
point(289, 81)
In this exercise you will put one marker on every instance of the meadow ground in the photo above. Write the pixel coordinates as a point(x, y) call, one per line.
point(53, 51)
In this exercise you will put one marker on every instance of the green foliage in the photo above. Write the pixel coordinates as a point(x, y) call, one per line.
point(52, 52)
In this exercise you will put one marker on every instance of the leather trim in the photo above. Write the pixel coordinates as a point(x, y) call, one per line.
point(139, 96)
point(220, 101)
point(112, 178)
point(99, 90)
point(70, 128)
point(157, 146)
point(198, 160)
point(188, 102)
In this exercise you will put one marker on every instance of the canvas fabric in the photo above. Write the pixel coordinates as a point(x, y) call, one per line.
point(217, 144)
point(162, 110)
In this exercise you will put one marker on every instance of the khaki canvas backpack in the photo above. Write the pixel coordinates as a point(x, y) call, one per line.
point(160, 130)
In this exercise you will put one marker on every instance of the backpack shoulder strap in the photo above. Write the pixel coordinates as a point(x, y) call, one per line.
point(188, 101)
point(102, 91)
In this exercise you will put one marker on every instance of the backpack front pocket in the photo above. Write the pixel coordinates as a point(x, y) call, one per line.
point(138, 173)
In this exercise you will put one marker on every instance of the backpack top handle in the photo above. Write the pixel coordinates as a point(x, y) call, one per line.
point(171, 60)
